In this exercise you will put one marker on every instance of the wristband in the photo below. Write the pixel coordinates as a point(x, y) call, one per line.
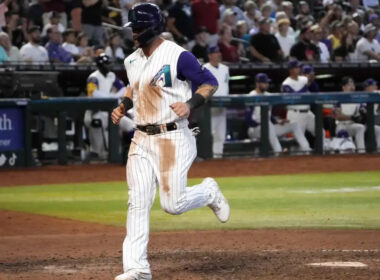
point(195, 101)
point(128, 104)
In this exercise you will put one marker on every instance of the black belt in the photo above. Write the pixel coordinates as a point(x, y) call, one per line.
point(152, 129)
point(301, 111)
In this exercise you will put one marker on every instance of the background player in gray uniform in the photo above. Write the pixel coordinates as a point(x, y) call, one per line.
point(218, 115)
point(161, 75)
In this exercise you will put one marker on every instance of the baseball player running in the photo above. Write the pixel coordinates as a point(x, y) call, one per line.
point(161, 77)
point(218, 115)
point(277, 127)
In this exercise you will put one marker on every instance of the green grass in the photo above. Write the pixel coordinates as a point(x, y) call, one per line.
point(256, 202)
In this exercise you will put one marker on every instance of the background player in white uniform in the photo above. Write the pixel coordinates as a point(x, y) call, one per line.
point(351, 118)
point(103, 84)
point(218, 115)
point(280, 126)
point(161, 75)
point(297, 84)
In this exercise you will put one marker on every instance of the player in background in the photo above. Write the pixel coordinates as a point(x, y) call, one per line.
point(218, 115)
point(103, 83)
point(161, 77)
point(350, 117)
point(296, 84)
point(277, 126)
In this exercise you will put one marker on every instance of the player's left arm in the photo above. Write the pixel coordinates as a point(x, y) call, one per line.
point(203, 83)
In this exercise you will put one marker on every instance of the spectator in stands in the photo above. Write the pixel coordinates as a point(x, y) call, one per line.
point(33, 52)
point(250, 13)
point(206, 13)
point(316, 39)
point(265, 46)
point(346, 51)
point(83, 47)
point(266, 10)
point(288, 8)
point(229, 17)
point(229, 52)
point(277, 126)
point(3, 55)
point(367, 48)
point(16, 29)
point(374, 4)
point(305, 50)
point(70, 46)
point(54, 20)
point(284, 39)
point(349, 117)
point(180, 22)
point(231, 4)
point(54, 47)
point(282, 15)
point(304, 14)
point(125, 6)
point(11, 51)
point(241, 32)
point(92, 11)
point(51, 6)
point(337, 30)
point(75, 11)
point(201, 46)
point(114, 49)
point(3, 10)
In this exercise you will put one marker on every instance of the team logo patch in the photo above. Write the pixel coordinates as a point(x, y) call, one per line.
point(162, 78)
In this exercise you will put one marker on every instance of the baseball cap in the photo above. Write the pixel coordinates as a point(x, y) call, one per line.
point(265, 21)
point(373, 17)
point(262, 78)
point(307, 69)
point(213, 49)
point(283, 21)
point(346, 80)
point(229, 12)
point(316, 28)
point(294, 64)
point(369, 82)
point(369, 27)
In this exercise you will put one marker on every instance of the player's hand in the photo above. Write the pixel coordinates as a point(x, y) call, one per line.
point(181, 109)
point(118, 113)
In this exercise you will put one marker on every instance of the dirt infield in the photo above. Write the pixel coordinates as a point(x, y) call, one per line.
point(39, 247)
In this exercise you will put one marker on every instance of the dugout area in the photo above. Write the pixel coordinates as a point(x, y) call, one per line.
point(46, 245)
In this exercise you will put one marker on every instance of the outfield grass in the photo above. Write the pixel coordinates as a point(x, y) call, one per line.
point(302, 201)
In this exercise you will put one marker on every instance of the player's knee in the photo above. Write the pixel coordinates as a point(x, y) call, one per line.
point(172, 207)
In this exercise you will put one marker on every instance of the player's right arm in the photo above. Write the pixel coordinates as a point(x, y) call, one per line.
point(124, 106)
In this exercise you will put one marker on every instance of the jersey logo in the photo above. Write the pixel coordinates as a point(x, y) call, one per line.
point(132, 60)
point(162, 78)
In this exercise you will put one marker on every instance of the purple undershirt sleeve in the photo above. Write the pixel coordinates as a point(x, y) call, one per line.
point(188, 68)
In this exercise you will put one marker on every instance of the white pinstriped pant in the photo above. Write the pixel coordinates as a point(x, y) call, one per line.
point(162, 159)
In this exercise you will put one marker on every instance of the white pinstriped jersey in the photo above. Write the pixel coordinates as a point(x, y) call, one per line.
point(298, 86)
point(155, 85)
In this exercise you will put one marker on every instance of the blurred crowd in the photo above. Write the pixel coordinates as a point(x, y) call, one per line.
point(76, 31)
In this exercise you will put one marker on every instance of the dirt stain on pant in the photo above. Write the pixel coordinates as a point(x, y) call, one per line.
point(167, 160)
point(149, 98)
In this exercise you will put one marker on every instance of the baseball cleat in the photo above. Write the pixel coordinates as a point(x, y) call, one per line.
point(134, 275)
point(219, 204)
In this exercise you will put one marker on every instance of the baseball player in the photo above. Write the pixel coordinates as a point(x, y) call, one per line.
point(103, 84)
point(350, 117)
point(162, 77)
point(296, 84)
point(218, 115)
point(277, 127)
